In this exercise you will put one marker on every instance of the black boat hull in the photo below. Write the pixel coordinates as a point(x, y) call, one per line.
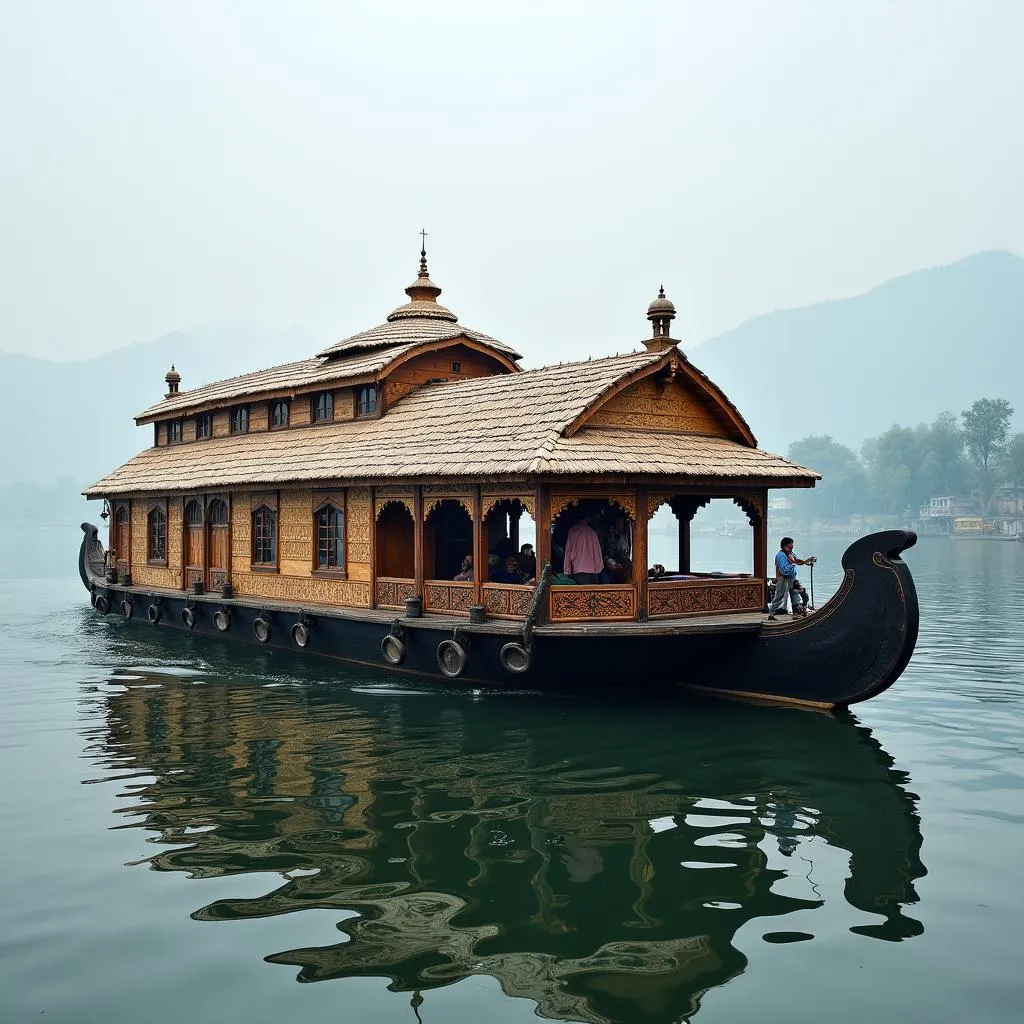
point(853, 648)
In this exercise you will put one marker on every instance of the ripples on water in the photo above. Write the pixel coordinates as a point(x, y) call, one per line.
point(434, 853)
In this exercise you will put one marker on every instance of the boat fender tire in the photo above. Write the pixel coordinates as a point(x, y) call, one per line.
point(102, 604)
point(188, 617)
point(261, 629)
point(153, 613)
point(452, 658)
point(392, 649)
point(516, 658)
point(92, 597)
point(300, 634)
point(222, 619)
point(127, 608)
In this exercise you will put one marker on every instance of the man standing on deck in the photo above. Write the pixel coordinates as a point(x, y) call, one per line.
point(785, 578)
point(583, 558)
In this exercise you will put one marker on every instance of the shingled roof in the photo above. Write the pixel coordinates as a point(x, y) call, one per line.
point(414, 329)
point(506, 425)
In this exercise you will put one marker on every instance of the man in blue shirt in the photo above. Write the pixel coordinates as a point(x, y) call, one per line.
point(786, 579)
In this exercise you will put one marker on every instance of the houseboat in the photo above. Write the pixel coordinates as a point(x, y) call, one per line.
point(366, 504)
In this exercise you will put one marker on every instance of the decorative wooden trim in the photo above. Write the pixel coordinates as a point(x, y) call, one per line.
point(430, 502)
point(382, 503)
point(506, 600)
point(257, 499)
point(681, 598)
point(599, 603)
point(560, 502)
point(489, 502)
point(453, 597)
point(418, 540)
point(391, 592)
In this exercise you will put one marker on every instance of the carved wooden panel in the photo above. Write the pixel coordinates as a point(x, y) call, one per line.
point(295, 526)
point(578, 604)
point(448, 596)
point(359, 523)
point(391, 593)
point(703, 597)
point(655, 404)
point(353, 594)
point(507, 602)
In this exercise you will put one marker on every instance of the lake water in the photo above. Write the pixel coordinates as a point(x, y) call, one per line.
point(200, 832)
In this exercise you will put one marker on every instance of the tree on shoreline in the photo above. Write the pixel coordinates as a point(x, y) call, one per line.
point(986, 434)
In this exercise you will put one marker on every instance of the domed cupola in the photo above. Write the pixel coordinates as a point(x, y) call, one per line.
point(661, 312)
point(423, 295)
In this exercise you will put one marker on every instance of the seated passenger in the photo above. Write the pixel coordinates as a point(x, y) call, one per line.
point(508, 574)
point(616, 550)
point(465, 574)
point(527, 562)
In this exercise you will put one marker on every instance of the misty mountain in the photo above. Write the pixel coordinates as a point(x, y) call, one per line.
point(74, 419)
point(901, 353)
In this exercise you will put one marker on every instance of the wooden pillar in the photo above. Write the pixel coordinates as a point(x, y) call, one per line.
point(543, 548)
point(513, 529)
point(479, 548)
point(417, 538)
point(761, 542)
point(373, 547)
point(640, 557)
point(684, 541)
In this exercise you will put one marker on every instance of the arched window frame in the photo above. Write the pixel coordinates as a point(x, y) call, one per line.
point(322, 407)
point(264, 546)
point(330, 540)
point(278, 414)
point(156, 536)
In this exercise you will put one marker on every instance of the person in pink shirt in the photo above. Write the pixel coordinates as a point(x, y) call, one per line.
point(583, 558)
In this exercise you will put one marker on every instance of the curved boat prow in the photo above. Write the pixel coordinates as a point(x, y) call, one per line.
point(91, 557)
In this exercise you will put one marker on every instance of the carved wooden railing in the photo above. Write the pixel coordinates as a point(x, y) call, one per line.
point(676, 598)
point(611, 602)
point(392, 591)
point(507, 600)
point(453, 597)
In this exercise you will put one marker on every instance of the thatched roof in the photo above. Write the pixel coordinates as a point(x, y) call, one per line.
point(288, 376)
point(414, 329)
point(510, 425)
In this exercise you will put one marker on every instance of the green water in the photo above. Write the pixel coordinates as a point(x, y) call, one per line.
point(190, 829)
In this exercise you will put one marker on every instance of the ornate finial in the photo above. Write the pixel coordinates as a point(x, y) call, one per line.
point(423, 253)
point(661, 313)
point(173, 379)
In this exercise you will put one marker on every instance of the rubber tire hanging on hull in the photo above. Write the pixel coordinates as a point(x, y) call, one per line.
point(516, 659)
point(452, 658)
point(261, 629)
point(127, 608)
point(153, 613)
point(188, 618)
point(300, 634)
point(102, 604)
point(392, 650)
point(222, 620)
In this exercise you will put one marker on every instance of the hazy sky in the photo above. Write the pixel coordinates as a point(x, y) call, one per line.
point(167, 164)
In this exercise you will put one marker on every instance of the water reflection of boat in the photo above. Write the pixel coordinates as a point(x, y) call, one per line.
point(601, 876)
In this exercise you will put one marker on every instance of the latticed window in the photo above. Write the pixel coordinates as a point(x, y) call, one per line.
point(204, 425)
point(278, 414)
point(174, 432)
point(264, 536)
point(323, 407)
point(367, 400)
point(240, 419)
point(330, 538)
point(157, 535)
point(217, 513)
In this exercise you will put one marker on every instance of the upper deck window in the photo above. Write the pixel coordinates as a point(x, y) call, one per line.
point(204, 425)
point(323, 407)
point(367, 400)
point(240, 419)
point(279, 414)
point(174, 432)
